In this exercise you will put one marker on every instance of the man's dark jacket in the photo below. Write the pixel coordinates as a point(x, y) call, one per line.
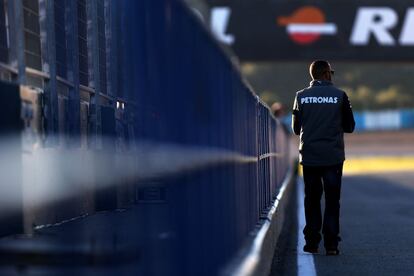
point(321, 115)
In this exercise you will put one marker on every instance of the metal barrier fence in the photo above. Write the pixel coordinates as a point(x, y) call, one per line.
point(189, 93)
point(198, 161)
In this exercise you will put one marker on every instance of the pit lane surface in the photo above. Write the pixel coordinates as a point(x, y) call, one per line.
point(377, 215)
point(377, 226)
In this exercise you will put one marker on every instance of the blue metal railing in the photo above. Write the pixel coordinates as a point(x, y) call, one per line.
point(190, 144)
point(188, 92)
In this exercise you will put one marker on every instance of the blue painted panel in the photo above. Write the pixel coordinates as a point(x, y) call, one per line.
point(407, 118)
point(188, 92)
point(359, 121)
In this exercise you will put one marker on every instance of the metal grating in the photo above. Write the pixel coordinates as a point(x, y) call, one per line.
point(102, 46)
point(4, 55)
point(83, 43)
point(31, 30)
point(60, 38)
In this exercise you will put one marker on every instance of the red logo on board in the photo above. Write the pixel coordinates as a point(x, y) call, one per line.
point(306, 25)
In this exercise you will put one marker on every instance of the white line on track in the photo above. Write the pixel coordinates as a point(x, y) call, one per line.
point(306, 264)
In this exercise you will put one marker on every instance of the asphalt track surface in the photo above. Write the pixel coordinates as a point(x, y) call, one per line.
point(377, 217)
point(389, 143)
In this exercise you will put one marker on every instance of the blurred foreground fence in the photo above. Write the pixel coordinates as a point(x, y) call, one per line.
point(189, 93)
point(200, 155)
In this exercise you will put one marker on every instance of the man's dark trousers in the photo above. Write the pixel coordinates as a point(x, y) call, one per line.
point(317, 180)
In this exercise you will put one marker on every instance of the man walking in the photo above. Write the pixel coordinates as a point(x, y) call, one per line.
point(321, 115)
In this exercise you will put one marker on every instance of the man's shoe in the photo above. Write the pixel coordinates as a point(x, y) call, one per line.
point(310, 249)
point(332, 252)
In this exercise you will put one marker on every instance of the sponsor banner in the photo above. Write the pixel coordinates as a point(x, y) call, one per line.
point(377, 120)
point(383, 120)
point(352, 30)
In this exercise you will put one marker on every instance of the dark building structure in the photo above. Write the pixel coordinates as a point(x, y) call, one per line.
point(68, 51)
